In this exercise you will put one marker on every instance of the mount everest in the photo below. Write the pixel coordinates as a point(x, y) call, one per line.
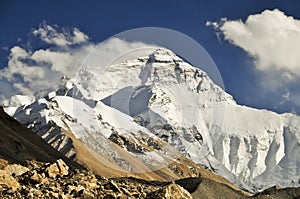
point(159, 108)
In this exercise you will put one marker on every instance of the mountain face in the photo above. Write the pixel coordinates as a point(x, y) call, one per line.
point(158, 108)
point(35, 179)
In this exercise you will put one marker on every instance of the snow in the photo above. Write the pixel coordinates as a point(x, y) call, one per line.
point(117, 118)
point(160, 95)
point(10, 106)
point(51, 94)
point(93, 126)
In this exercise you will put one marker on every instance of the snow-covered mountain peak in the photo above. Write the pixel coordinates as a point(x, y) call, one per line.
point(164, 55)
point(162, 67)
point(162, 95)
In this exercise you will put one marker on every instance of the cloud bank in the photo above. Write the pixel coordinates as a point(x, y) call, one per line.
point(272, 39)
point(28, 72)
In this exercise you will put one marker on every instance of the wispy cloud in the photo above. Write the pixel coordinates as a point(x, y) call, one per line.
point(28, 72)
point(60, 36)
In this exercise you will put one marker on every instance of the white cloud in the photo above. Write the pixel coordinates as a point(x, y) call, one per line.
point(272, 39)
point(21, 87)
point(60, 37)
point(17, 66)
point(115, 50)
point(28, 72)
point(59, 61)
point(79, 36)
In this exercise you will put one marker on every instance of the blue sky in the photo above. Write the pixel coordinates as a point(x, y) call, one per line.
point(251, 83)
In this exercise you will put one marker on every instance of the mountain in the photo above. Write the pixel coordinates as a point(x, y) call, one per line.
point(34, 179)
point(30, 168)
point(145, 114)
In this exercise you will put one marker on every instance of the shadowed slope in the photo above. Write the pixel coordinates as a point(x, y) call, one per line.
point(18, 144)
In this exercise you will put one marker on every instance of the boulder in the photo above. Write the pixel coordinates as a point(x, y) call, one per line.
point(15, 169)
point(6, 180)
point(58, 168)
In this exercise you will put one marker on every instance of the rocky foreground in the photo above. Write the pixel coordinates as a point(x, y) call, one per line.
point(45, 180)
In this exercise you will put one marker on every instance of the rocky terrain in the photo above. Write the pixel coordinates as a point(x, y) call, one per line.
point(45, 180)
